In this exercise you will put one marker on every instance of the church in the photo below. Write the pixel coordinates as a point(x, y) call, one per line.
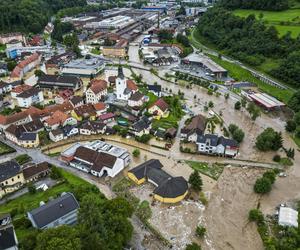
point(124, 88)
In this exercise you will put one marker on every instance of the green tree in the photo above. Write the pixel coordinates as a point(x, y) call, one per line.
point(262, 185)
point(253, 110)
point(237, 105)
point(55, 173)
point(196, 181)
point(136, 152)
point(269, 140)
point(31, 188)
point(255, 215)
point(290, 126)
point(193, 246)
point(200, 231)
point(210, 104)
point(60, 238)
point(238, 135)
point(271, 175)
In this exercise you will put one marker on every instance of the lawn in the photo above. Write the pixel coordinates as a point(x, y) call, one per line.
point(240, 74)
point(22, 159)
point(5, 149)
point(213, 171)
point(170, 122)
point(28, 201)
point(284, 21)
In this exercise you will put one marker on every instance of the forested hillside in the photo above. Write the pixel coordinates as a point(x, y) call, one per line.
point(250, 41)
point(31, 15)
point(256, 4)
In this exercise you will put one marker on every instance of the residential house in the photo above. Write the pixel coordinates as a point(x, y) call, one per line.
point(76, 101)
point(100, 108)
point(60, 211)
point(36, 171)
point(8, 238)
point(70, 131)
point(26, 65)
point(214, 145)
point(6, 87)
point(193, 129)
point(19, 89)
point(56, 135)
point(20, 136)
point(11, 177)
point(159, 109)
point(30, 97)
point(55, 62)
point(18, 118)
point(63, 95)
point(137, 99)
point(86, 111)
point(97, 91)
point(92, 128)
point(155, 89)
point(107, 118)
point(7, 38)
point(141, 126)
point(59, 118)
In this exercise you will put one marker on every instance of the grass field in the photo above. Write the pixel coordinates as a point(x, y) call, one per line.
point(240, 74)
point(284, 21)
point(5, 149)
point(28, 201)
point(213, 171)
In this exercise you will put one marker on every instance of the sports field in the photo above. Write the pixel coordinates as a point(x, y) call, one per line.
point(284, 21)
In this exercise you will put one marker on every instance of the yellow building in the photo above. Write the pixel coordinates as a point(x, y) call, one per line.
point(168, 189)
point(11, 177)
point(159, 109)
point(29, 140)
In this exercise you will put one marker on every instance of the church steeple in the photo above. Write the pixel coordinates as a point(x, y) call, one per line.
point(120, 72)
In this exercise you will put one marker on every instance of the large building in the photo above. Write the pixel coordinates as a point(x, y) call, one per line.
point(59, 82)
point(30, 97)
point(26, 65)
point(60, 211)
point(168, 189)
point(8, 238)
point(98, 158)
point(84, 67)
point(7, 38)
point(116, 22)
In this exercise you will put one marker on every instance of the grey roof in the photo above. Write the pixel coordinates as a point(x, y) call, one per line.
point(227, 142)
point(54, 209)
point(141, 124)
point(57, 132)
point(120, 72)
point(28, 136)
point(158, 176)
point(34, 125)
point(172, 187)
point(141, 170)
point(212, 139)
point(155, 88)
point(29, 92)
point(9, 169)
point(7, 238)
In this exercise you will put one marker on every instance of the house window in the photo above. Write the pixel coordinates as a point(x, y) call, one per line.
point(18, 176)
point(6, 182)
point(12, 179)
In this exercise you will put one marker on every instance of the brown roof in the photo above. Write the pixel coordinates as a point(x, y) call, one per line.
point(57, 117)
point(99, 106)
point(131, 85)
point(136, 96)
point(39, 168)
point(98, 86)
point(15, 130)
point(97, 159)
point(17, 70)
point(85, 110)
point(161, 104)
point(21, 88)
point(197, 124)
point(112, 79)
point(76, 100)
point(5, 120)
point(65, 107)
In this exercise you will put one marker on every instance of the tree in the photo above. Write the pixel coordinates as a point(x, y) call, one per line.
point(297, 118)
point(237, 105)
point(255, 215)
point(290, 126)
point(253, 110)
point(196, 181)
point(200, 231)
point(55, 173)
point(269, 140)
point(277, 158)
point(60, 238)
point(210, 104)
point(238, 135)
point(290, 153)
point(226, 96)
point(144, 138)
point(38, 73)
point(193, 246)
point(262, 186)
point(270, 175)
point(244, 102)
point(31, 188)
point(232, 128)
point(136, 152)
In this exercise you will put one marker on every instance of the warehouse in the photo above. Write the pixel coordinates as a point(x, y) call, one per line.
point(266, 101)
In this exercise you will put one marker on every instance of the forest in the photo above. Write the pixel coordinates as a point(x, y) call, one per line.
point(275, 5)
point(31, 15)
point(250, 41)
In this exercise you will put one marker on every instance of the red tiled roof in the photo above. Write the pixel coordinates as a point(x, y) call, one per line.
point(18, 69)
point(106, 116)
point(57, 117)
point(161, 104)
point(131, 85)
point(98, 86)
point(99, 106)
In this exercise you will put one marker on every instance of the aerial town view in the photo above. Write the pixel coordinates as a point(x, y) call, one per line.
point(149, 124)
